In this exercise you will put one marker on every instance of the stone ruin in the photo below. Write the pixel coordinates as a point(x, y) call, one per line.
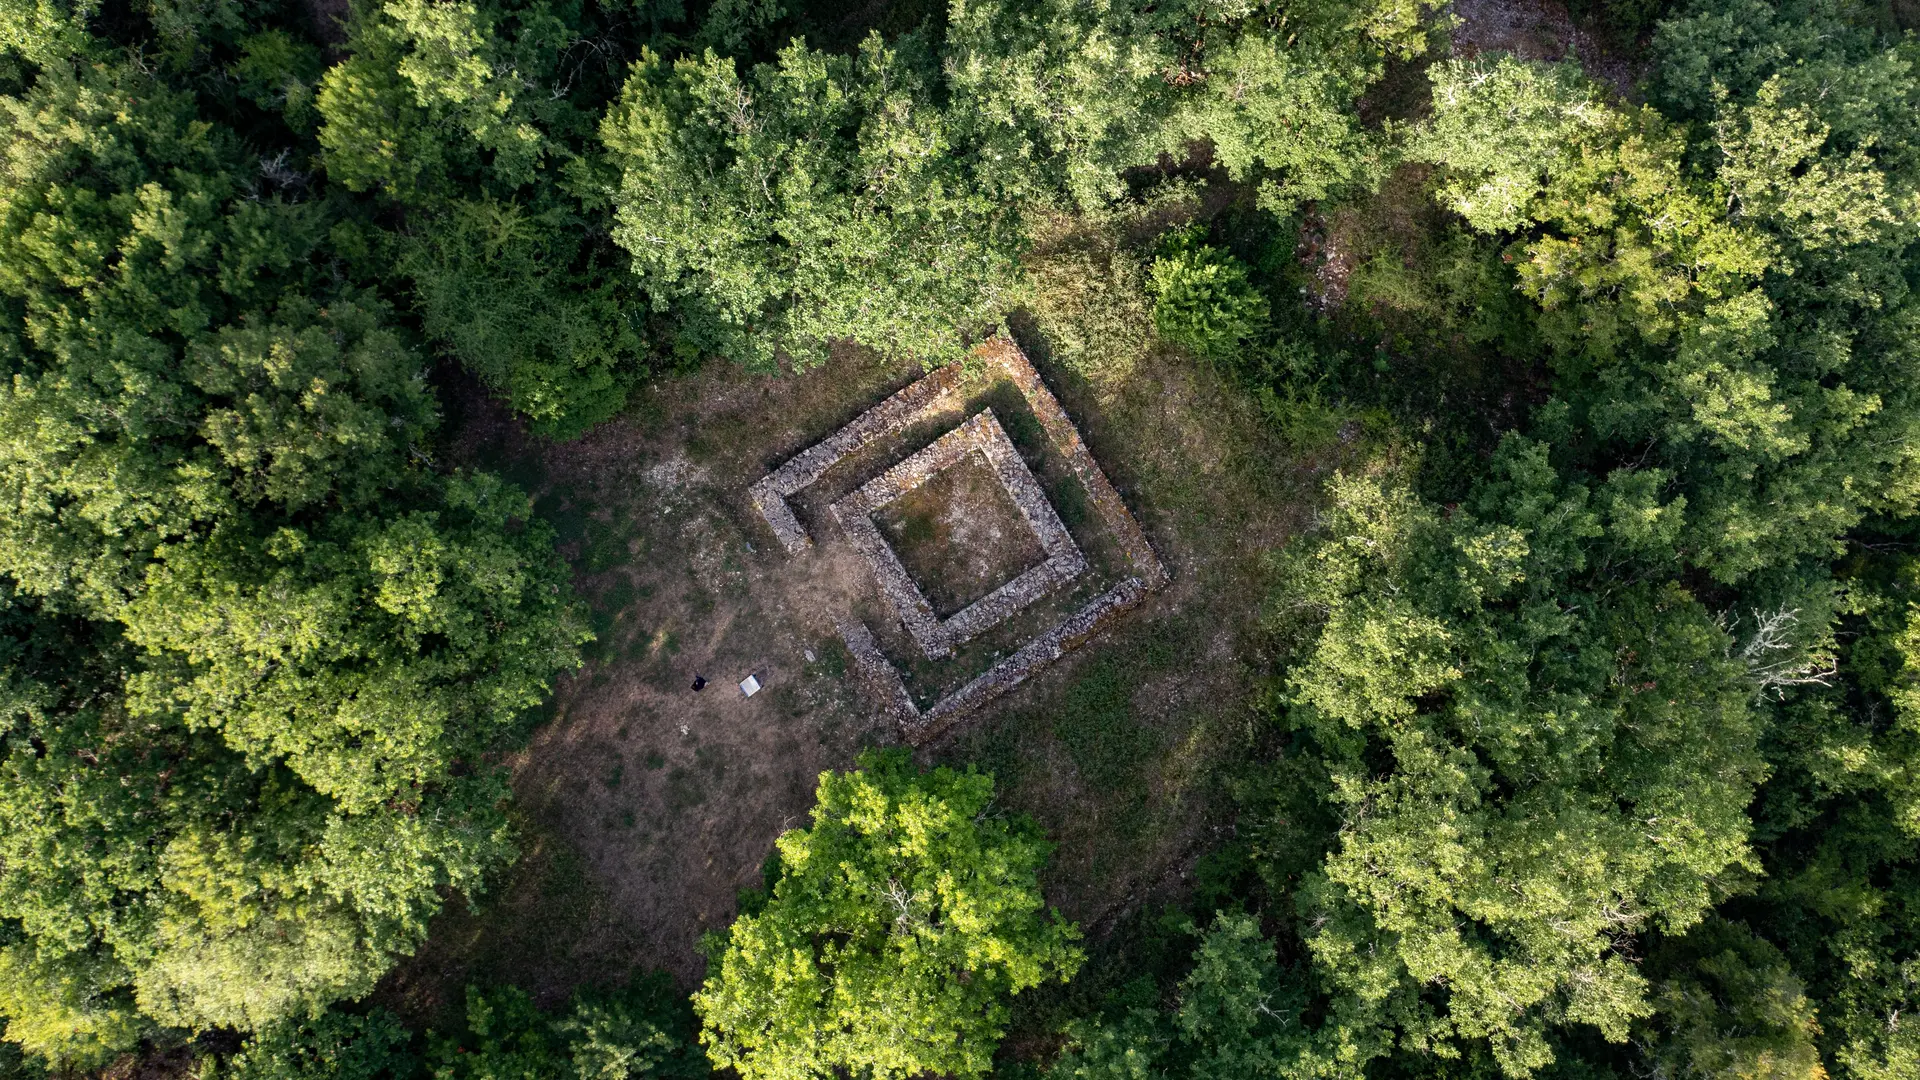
point(983, 434)
point(980, 434)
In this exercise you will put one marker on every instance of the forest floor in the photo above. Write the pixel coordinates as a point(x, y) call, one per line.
point(1547, 30)
point(645, 806)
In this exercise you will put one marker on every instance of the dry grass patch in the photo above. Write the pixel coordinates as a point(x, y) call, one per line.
point(959, 535)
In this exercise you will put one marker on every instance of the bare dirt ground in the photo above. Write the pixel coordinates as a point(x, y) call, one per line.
point(645, 806)
point(959, 535)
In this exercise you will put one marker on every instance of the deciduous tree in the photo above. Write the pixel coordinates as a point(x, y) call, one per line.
point(903, 919)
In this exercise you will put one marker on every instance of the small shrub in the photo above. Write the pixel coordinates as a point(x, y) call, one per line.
point(1204, 303)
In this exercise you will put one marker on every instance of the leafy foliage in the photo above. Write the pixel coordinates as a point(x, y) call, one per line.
point(603, 1036)
point(1674, 323)
point(904, 918)
point(1533, 763)
point(260, 651)
point(1066, 96)
point(479, 120)
point(1730, 1006)
point(1204, 303)
point(638, 1031)
point(1720, 292)
point(332, 1046)
point(881, 196)
point(1089, 294)
point(1236, 1016)
point(817, 198)
point(1604, 702)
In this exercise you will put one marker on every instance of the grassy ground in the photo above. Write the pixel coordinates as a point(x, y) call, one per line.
point(645, 806)
point(959, 535)
point(1120, 751)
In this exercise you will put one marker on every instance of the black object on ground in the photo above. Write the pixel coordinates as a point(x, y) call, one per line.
point(699, 682)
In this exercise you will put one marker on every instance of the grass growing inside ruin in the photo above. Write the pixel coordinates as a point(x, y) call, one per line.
point(959, 535)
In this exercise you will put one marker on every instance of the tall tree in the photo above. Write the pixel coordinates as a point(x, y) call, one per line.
point(1064, 97)
point(816, 198)
point(1676, 309)
point(478, 121)
point(902, 920)
point(1542, 744)
point(1238, 1015)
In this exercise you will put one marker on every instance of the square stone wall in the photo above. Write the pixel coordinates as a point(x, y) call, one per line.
point(982, 434)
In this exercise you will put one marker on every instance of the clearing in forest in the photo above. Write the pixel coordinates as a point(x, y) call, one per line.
point(645, 806)
point(953, 664)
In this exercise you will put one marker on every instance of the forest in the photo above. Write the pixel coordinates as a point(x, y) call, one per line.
point(1523, 394)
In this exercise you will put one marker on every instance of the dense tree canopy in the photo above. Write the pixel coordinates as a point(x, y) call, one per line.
point(1721, 295)
point(1570, 757)
point(1745, 319)
point(479, 123)
point(636, 1031)
point(818, 198)
point(255, 648)
point(1237, 1014)
point(822, 197)
point(1065, 97)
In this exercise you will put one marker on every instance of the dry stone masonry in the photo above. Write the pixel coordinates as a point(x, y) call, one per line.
point(981, 434)
point(770, 492)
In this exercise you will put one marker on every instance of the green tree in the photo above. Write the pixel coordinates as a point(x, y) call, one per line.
point(903, 919)
point(1729, 1008)
point(1063, 97)
point(480, 120)
point(1541, 744)
point(1749, 324)
point(43, 31)
point(616, 1035)
point(332, 1046)
point(643, 1030)
point(1238, 1015)
point(1204, 303)
point(261, 769)
point(814, 199)
point(1841, 899)
point(1540, 114)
